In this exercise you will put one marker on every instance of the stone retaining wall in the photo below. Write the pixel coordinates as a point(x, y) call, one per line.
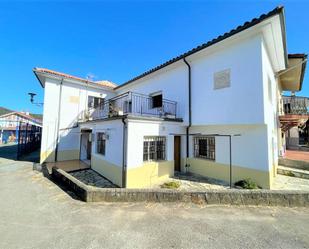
point(209, 197)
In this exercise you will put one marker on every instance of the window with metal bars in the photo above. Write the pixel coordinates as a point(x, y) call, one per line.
point(204, 147)
point(154, 148)
point(101, 143)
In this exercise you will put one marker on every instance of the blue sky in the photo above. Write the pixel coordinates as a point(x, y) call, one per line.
point(118, 40)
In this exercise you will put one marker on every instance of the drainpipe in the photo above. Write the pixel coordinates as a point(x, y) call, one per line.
point(124, 147)
point(190, 116)
point(58, 120)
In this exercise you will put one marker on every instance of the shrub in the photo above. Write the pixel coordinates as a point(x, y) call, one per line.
point(247, 184)
point(171, 185)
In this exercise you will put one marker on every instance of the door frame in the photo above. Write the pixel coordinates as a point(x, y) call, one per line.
point(83, 132)
point(177, 153)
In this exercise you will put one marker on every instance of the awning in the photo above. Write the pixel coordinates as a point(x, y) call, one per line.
point(292, 78)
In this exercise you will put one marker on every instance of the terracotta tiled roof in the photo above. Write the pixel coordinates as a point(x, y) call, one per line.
point(106, 83)
point(240, 28)
point(102, 83)
point(24, 115)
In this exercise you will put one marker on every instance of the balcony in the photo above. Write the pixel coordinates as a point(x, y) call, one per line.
point(295, 112)
point(295, 105)
point(134, 104)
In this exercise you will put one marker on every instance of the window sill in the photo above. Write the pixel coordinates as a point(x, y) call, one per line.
point(154, 161)
point(207, 159)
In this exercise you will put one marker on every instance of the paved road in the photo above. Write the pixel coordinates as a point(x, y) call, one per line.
point(35, 213)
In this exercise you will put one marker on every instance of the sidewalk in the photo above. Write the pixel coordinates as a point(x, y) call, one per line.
point(297, 155)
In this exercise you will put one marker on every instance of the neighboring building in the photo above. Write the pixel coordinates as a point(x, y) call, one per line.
point(169, 117)
point(10, 124)
point(297, 132)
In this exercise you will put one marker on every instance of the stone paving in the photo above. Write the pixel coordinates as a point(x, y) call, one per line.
point(297, 155)
point(282, 182)
point(92, 178)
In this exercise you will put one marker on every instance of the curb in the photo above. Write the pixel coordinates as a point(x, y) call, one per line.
point(209, 197)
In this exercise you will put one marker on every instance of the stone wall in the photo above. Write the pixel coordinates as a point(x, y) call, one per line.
point(209, 197)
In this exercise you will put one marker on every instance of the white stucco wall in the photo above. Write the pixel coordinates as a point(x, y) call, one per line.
point(114, 143)
point(137, 129)
point(73, 103)
point(248, 150)
point(271, 104)
point(242, 101)
point(172, 81)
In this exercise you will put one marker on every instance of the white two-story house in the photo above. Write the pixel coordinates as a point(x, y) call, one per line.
point(182, 114)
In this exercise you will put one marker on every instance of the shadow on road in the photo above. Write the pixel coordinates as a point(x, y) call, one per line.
point(9, 151)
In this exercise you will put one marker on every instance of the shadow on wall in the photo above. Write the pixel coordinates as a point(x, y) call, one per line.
point(68, 142)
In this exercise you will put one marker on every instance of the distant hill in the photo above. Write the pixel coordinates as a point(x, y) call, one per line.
point(5, 111)
point(37, 116)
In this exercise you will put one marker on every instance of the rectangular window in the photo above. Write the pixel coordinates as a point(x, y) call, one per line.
point(101, 143)
point(95, 102)
point(157, 101)
point(204, 147)
point(154, 148)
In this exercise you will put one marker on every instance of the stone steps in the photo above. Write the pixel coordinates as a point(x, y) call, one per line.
point(297, 164)
point(288, 171)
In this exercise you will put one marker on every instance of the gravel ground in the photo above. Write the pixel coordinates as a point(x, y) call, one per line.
point(92, 178)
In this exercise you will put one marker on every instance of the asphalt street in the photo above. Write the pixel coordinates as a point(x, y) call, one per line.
point(36, 213)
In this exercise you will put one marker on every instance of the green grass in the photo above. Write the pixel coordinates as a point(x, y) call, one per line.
point(171, 185)
point(247, 184)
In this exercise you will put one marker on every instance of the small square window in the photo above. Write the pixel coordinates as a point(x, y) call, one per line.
point(156, 101)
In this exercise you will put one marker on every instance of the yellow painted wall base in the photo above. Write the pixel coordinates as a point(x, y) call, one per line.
point(110, 171)
point(149, 173)
point(47, 156)
point(65, 155)
point(222, 172)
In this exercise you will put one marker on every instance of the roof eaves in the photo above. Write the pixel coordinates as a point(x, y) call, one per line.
point(67, 76)
point(240, 28)
point(304, 64)
point(303, 71)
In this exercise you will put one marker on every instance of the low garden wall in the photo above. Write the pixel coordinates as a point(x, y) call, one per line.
point(209, 197)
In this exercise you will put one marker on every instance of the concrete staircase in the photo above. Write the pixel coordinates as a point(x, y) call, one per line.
point(294, 172)
point(293, 168)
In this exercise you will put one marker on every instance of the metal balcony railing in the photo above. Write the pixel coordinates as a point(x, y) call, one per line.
point(295, 105)
point(131, 103)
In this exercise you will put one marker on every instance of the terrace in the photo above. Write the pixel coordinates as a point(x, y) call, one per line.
point(135, 104)
point(295, 112)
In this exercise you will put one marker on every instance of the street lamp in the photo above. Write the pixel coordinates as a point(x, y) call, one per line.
point(32, 99)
